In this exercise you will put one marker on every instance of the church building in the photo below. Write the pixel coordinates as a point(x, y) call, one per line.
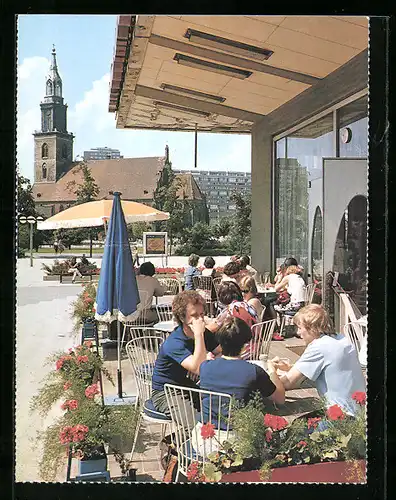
point(55, 171)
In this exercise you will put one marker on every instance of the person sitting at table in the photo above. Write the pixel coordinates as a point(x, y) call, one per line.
point(148, 287)
point(231, 272)
point(191, 271)
point(209, 269)
point(250, 294)
point(229, 374)
point(329, 360)
point(294, 284)
point(230, 295)
point(244, 262)
point(73, 269)
point(184, 350)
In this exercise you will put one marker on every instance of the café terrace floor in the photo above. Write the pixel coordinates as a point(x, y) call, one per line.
point(146, 457)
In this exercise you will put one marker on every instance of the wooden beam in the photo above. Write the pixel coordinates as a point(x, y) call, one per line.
point(190, 102)
point(239, 62)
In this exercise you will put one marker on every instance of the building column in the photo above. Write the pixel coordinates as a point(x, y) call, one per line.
point(261, 197)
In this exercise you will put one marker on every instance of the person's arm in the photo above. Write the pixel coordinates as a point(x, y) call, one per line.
point(193, 362)
point(278, 396)
point(159, 290)
point(292, 379)
point(282, 284)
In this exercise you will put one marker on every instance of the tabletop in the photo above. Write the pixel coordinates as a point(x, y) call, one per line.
point(166, 326)
point(262, 289)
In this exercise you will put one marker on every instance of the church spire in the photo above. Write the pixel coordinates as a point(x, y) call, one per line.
point(54, 81)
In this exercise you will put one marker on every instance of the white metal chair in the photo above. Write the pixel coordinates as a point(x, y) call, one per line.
point(136, 331)
point(187, 423)
point(355, 332)
point(172, 286)
point(142, 353)
point(164, 312)
point(264, 277)
point(309, 293)
point(204, 286)
point(261, 340)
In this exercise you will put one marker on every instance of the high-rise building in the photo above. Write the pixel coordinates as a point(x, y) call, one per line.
point(103, 153)
point(217, 186)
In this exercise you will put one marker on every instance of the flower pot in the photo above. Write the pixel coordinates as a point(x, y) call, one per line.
point(324, 472)
point(98, 464)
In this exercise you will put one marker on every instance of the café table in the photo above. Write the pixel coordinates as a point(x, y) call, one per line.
point(166, 326)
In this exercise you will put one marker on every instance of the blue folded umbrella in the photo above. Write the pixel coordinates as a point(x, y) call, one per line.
point(117, 297)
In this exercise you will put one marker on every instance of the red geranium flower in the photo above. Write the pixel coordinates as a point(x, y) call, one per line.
point(268, 435)
point(193, 471)
point(313, 422)
point(67, 385)
point(79, 432)
point(208, 431)
point(359, 397)
point(274, 422)
point(335, 413)
point(91, 390)
point(66, 435)
point(82, 359)
point(88, 343)
point(302, 443)
point(59, 363)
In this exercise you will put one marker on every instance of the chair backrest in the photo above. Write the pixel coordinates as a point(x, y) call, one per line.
point(142, 353)
point(216, 284)
point(137, 331)
point(204, 283)
point(191, 447)
point(262, 318)
point(264, 277)
point(172, 286)
point(354, 332)
point(309, 293)
point(261, 339)
point(164, 312)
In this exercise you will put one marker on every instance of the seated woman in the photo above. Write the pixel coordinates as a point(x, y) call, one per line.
point(249, 290)
point(73, 269)
point(231, 272)
point(150, 287)
point(295, 286)
point(246, 268)
point(230, 295)
point(229, 374)
point(329, 360)
point(191, 271)
point(209, 269)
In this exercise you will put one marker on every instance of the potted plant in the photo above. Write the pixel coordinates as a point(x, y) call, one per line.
point(83, 312)
point(266, 448)
point(85, 427)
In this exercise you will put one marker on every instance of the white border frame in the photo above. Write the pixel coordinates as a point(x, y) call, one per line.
point(157, 233)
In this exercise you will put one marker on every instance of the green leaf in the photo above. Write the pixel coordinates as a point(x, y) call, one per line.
point(213, 456)
point(307, 460)
point(331, 454)
point(238, 461)
point(316, 437)
point(344, 440)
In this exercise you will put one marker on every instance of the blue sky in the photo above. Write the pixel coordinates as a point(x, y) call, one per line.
point(84, 46)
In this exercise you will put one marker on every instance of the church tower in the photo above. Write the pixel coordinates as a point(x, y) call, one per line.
point(53, 145)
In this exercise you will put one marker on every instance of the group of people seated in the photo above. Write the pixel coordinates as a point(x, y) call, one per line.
point(78, 268)
point(208, 354)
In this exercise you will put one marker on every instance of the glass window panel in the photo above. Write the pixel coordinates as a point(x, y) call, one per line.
point(354, 117)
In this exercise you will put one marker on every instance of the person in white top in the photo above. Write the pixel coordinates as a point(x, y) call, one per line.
point(209, 269)
point(294, 283)
point(148, 287)
point(244, 262)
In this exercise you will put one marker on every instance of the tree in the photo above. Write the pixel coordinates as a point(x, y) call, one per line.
point(137, 229)
point(85, 191)
point(240, 232)
point(222, 228)
point(166, 198)
point(26, 204)
point(196, 239)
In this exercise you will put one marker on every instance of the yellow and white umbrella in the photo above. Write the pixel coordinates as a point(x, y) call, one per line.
point(97, 213)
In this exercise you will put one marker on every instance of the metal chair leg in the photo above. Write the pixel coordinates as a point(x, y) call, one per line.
point(138, 424)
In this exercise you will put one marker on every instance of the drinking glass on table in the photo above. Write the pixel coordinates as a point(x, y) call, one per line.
point(282, 364)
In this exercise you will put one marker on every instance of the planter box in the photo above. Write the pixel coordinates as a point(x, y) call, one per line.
point(325, 472)
point(91, 466)
point(51, 277)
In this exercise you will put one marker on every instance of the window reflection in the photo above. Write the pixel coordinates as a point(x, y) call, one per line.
point(350, 259)
point(317, 246)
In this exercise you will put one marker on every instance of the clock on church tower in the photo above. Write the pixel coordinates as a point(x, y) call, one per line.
point(53, 144)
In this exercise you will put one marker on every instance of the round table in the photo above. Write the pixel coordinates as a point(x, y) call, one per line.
point(165, 326)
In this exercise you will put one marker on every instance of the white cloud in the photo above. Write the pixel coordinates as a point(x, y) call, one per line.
point(30, 87)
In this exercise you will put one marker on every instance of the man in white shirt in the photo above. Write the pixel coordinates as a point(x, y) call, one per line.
point(148, 287)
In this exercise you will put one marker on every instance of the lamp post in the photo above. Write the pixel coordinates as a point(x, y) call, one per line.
point(31, 220)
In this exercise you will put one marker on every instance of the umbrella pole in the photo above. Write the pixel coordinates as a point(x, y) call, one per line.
point(119, 374)
point(90, 243)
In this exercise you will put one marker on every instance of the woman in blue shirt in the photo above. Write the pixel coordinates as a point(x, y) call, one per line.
point(191, 271)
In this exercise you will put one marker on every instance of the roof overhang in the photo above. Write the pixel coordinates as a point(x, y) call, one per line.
point(223, 73)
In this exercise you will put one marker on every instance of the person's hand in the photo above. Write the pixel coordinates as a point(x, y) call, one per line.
point(197, 326)
point(270, 367)
point(282, 364)
point(210, 356)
